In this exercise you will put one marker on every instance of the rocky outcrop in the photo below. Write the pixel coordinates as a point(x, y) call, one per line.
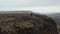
point(27, 23)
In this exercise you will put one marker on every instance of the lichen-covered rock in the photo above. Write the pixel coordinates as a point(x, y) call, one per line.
point(27, 23)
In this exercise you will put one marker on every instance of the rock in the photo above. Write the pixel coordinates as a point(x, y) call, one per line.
point(27, 23)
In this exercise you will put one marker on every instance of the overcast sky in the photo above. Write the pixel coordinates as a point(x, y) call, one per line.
point(42, 6)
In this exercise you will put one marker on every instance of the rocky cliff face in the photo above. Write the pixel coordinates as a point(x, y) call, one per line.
point(25, 23)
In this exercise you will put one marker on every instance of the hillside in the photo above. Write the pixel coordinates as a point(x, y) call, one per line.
point(26, 23)
point(56, 17)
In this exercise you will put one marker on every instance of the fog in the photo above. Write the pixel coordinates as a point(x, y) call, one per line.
point(40, 6)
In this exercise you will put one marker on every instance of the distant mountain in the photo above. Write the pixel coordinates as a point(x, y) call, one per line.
point(56, 17)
